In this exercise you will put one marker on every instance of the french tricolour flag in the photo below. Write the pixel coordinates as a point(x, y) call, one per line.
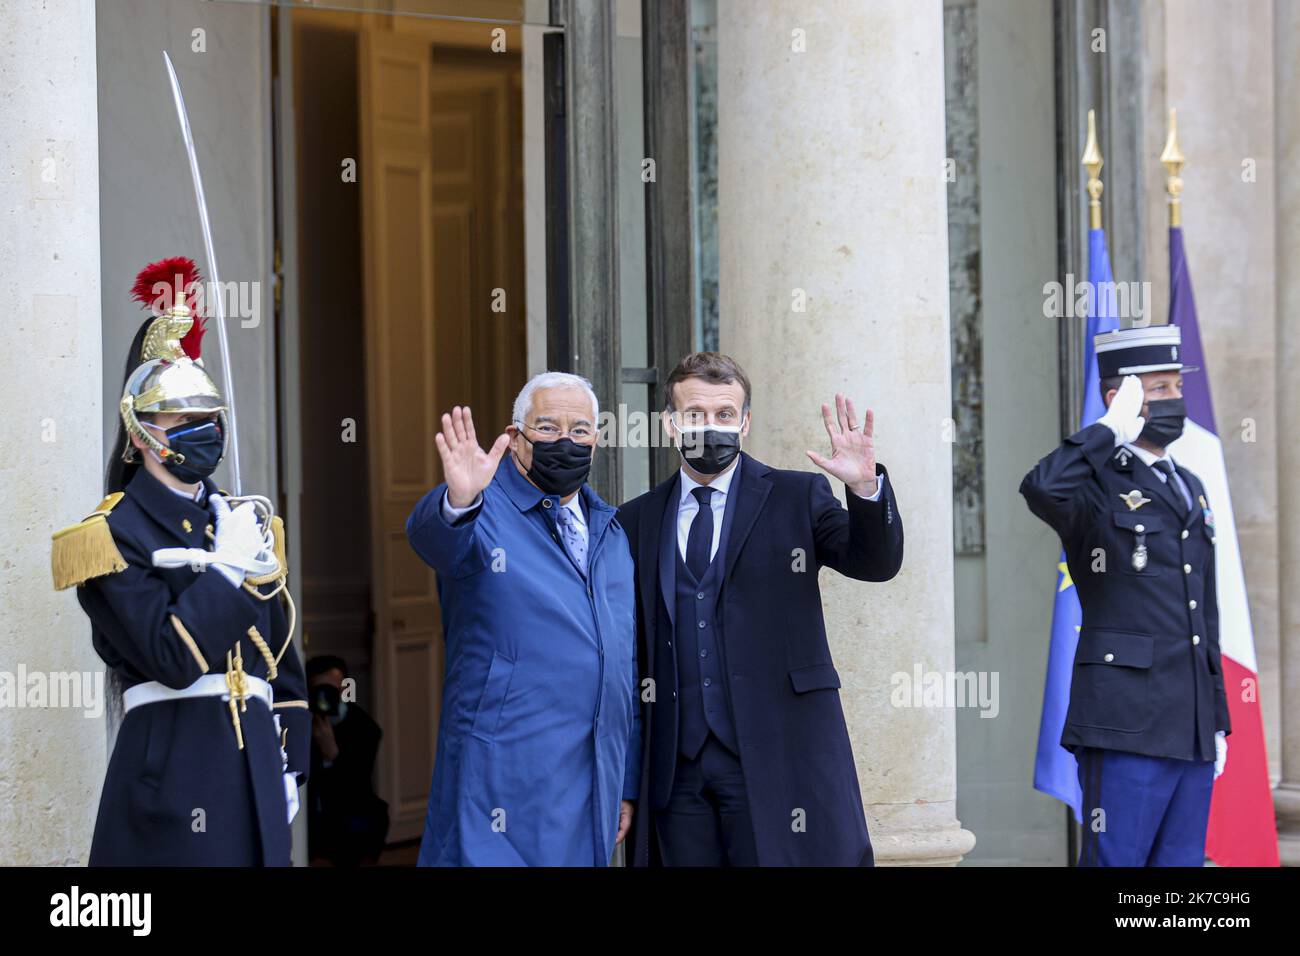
point(1242, 831)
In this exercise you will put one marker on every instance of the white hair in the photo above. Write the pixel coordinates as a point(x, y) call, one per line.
point(524, 400)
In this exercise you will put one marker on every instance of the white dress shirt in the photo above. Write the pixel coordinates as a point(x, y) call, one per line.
point(194, 496)
point(688, 507)
point(1150, 458)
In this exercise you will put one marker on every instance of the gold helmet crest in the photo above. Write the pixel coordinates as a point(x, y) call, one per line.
point(170, 376)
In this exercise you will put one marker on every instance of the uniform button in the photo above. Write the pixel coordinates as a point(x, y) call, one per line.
point(708, 682)
point(1213, 539)
point(670, 643)
point(1196, 639)
point(1139, 528)
point(1184, 532)
point(704, 652)
point(702, 624)
point(546, 502)
point(1192, 605)
point(1187, 569)
point(700, 596)
point(674, 695)
point(1108, 658)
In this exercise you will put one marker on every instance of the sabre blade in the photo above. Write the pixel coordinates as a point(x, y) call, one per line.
point(214, 276)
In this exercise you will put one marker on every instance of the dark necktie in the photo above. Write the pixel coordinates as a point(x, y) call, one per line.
point(700, 541)
point(1175, 481)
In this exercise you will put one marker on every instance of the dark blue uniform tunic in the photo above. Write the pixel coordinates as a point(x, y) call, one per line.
point(179, 790)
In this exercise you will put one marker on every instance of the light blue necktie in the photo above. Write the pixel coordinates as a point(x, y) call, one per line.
point(574, 540)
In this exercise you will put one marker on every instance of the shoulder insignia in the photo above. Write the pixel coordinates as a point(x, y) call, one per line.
point(86, 549)
point(1122, 456)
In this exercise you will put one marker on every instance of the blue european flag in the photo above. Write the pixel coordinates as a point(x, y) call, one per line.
point(1055, 771)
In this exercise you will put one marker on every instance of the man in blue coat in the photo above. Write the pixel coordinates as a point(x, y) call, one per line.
point(539, 740)
point(747, 758)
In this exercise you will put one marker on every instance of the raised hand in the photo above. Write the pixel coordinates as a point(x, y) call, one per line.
point(466, 467)
point(1124, 417)
point(853, 454)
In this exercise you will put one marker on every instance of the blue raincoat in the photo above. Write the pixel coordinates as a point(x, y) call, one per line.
point(539, 737)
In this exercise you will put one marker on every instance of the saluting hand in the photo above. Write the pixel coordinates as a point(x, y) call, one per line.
point(466, 467)
point(853, 454)
point(1124, 417)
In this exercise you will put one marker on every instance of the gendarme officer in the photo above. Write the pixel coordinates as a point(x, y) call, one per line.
point(1148, 715)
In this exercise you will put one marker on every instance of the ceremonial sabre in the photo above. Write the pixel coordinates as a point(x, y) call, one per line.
point(227, 384)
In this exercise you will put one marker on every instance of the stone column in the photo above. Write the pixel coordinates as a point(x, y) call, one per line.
point(831, 190)
point(51, 758)
point(1286, 797)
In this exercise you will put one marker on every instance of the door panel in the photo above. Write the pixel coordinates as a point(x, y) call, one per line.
point(443, 226)
point(396, 176)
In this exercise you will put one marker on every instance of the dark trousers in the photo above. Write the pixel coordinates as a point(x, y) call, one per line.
point(1143, 811)
point(707, 821)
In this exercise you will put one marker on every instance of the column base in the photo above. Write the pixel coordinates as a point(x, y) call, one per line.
point(901, 836)
point(1286, 801)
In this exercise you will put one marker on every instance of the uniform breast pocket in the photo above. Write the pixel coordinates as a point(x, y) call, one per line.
point(1111, 675)
point(1134, 540)
point(487, 716)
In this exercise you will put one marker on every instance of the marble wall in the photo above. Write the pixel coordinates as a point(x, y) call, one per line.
point(52, 753)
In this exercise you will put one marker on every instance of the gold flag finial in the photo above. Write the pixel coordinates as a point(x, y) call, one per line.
point(1093, 162)
point(1173, 160)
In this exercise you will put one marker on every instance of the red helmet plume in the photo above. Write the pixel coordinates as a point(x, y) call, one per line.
point(176, 275)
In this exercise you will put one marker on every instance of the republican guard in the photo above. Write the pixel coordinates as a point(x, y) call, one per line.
point(183, 589)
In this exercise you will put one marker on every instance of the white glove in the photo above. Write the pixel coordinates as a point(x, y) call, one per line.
point(1124, 417)
point(241, 546)
point(1220, 753)
point(291, 794)
point(239, 537)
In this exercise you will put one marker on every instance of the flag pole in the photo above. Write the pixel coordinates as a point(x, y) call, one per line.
point(1173, 160)
point(1093, 162)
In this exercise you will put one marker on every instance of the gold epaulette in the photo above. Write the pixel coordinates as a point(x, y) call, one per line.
point(86, 549)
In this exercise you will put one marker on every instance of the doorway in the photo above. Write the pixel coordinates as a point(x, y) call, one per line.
point(410, 254)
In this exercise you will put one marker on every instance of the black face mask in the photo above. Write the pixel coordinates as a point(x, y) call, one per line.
point(201, 444)
point(559, 467)
point(1164, 423)
point(709, 450)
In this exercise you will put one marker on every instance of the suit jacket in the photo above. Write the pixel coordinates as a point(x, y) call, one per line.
point(1148, 677)
point(174, 757)
point(781, 528)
